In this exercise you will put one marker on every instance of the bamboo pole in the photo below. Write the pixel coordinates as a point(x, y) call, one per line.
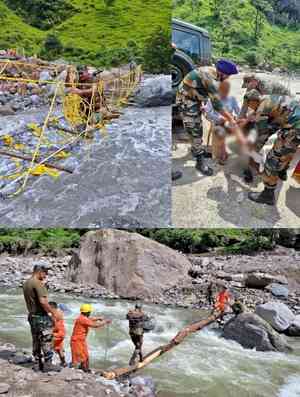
point(179, 338)
point(28, 158)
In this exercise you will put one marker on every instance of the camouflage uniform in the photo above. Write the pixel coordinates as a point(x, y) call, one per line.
point(42, 337)
point(284, 115)
point(264, 87)
point(136, 319)
point(196, 88)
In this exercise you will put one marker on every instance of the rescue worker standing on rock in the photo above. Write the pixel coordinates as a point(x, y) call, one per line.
point(79, 348)
point(41, 324)
point(197, 87)
point(223, 299)
point(137, 319)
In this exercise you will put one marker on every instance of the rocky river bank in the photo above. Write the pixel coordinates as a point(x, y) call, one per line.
point(256, 279)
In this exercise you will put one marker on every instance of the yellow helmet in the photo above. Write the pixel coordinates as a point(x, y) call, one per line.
point(86, 308)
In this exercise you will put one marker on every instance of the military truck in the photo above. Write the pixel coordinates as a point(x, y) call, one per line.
point(192, 47)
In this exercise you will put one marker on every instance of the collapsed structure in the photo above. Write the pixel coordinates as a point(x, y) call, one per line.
point(73, 106)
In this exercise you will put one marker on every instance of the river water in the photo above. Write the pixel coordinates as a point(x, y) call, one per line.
point(203, 365)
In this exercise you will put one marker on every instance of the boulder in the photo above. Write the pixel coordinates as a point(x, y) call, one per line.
point(261, 280)
point(127, 264)
point(143, 386)
point(253, 332)
point(294, 328)
point(279, 291)
point(4, 388)
point(6, 110)
point(154, 91)
point(277, 314)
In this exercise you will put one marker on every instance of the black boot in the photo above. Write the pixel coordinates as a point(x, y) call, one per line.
point(267, 196)
point(248, 176)
point(176, 175)
point(201, 165)
point(283, 175)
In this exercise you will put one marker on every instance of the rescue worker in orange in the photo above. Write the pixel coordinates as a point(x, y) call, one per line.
point(79, 348)
point(223, 299)
point(59, 333)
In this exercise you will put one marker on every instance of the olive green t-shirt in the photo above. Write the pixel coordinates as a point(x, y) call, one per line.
point(33, 290)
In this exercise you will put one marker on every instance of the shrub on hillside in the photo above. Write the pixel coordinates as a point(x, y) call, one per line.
point(157, 52)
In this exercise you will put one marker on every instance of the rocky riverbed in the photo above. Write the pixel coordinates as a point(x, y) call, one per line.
point(18, 380)
point(256, 279)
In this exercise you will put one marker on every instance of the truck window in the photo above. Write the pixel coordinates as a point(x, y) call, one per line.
point(187, 42)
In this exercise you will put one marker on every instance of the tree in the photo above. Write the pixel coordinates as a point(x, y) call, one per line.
point(109, 3)
point(262, 7)
point(52, 47)
point(158, 52)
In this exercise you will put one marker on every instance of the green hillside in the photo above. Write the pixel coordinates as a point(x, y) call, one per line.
point(96, 31)
point(242, 30)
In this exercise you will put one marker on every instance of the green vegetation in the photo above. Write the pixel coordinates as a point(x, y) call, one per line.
point(19, 241)
point(43, 14)
point(227, 241)
point(248, 31)
point(96, 32)
point(234, 241)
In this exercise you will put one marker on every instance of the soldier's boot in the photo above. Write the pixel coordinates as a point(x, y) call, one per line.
point(49, 367)
point(267, 196)
point(248, 176)
point(176, 175)
point(134, 358)
point(283, 175)
point(140, 355)
point(202, 166)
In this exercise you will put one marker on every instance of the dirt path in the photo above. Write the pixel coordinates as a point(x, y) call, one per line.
point(221, 200)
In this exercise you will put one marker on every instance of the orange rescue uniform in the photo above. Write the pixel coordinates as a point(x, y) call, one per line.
point(222, 300)
point(59, 333)
point(80, 354)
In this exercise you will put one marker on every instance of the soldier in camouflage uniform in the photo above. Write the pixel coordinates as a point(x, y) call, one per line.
point(264, 87)
point(196, 88)
point(137, 320)
point(41, 324)
point(273, 114)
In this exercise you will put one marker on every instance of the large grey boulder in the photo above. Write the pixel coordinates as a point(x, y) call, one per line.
point(277, 314)
point(127, 264)
point(154, 91)
point(252, 332)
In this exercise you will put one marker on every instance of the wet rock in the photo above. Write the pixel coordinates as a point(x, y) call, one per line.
point(253, 332)
point(278, 315)
point(127, 264)
point(279, 290)
point(155, 91)
point(294, 328)
point(4, 388)
point(6, 110)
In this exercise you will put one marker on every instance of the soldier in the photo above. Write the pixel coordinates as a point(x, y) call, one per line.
point(196, 88)
point(264, 87)
point(282, 114)
point(137, 320)
point(41, 324)
point(238, 307)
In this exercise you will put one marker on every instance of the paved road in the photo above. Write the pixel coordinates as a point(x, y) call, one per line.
point(221, 200)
